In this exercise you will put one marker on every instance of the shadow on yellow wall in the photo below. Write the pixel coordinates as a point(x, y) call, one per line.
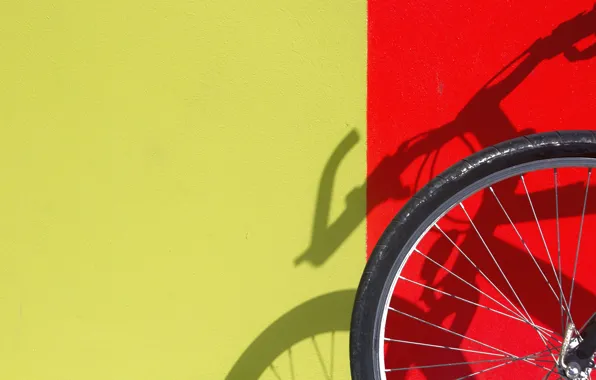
point(328, 313)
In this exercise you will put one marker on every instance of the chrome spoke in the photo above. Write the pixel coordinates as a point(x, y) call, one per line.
point(518, 313)
point(526, 245)
point(549, 373)
point(491, 368)
point(550, 259)
point(446, 365)
point(487, 369)
point(501, 365)
point(444, 347)
point(502, 273)
point(464, 281)
point(522, 239)
point(495, 261)
point(561, 296)
point(581, 226)
point(508, 361)
point(452, 332)
point(477, 304)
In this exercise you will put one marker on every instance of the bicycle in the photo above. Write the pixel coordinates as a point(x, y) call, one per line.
point(478, 274)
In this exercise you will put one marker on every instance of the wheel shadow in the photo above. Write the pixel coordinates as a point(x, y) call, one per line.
point(303, 322)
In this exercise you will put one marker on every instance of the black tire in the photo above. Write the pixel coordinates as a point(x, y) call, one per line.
point(414, 218)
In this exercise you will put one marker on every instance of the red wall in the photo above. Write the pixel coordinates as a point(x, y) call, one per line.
point(463, 75)
point(428, 64)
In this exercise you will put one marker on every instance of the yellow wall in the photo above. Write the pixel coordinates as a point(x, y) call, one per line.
point(160, 162)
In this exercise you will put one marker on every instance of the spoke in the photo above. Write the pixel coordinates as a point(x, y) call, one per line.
point(581, 226)
point(476, 304)
point(545, 360)
point(495, 261)
point(519, 313)
point(509, 361)
point(486, 370)
point(464, 281)
point(489, 369)
point(526, 245)
point(550, 259)
point(502, 273)
point(501, 365)
point(547, 376)
point(460, 335)
point(522, 239)
point(444, 347)
point(446, 365)
point(561, 296)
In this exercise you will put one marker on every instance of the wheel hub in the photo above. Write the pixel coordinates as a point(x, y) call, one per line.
point(576, 359)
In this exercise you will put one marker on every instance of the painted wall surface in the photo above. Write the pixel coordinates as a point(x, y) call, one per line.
point(429, 66)
point(164, 164)
point(445, 79)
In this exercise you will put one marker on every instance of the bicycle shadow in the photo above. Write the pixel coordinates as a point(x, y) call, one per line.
point(482, 117)
point(330, 312)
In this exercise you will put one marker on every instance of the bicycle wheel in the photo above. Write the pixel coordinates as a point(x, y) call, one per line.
point(492, 297)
